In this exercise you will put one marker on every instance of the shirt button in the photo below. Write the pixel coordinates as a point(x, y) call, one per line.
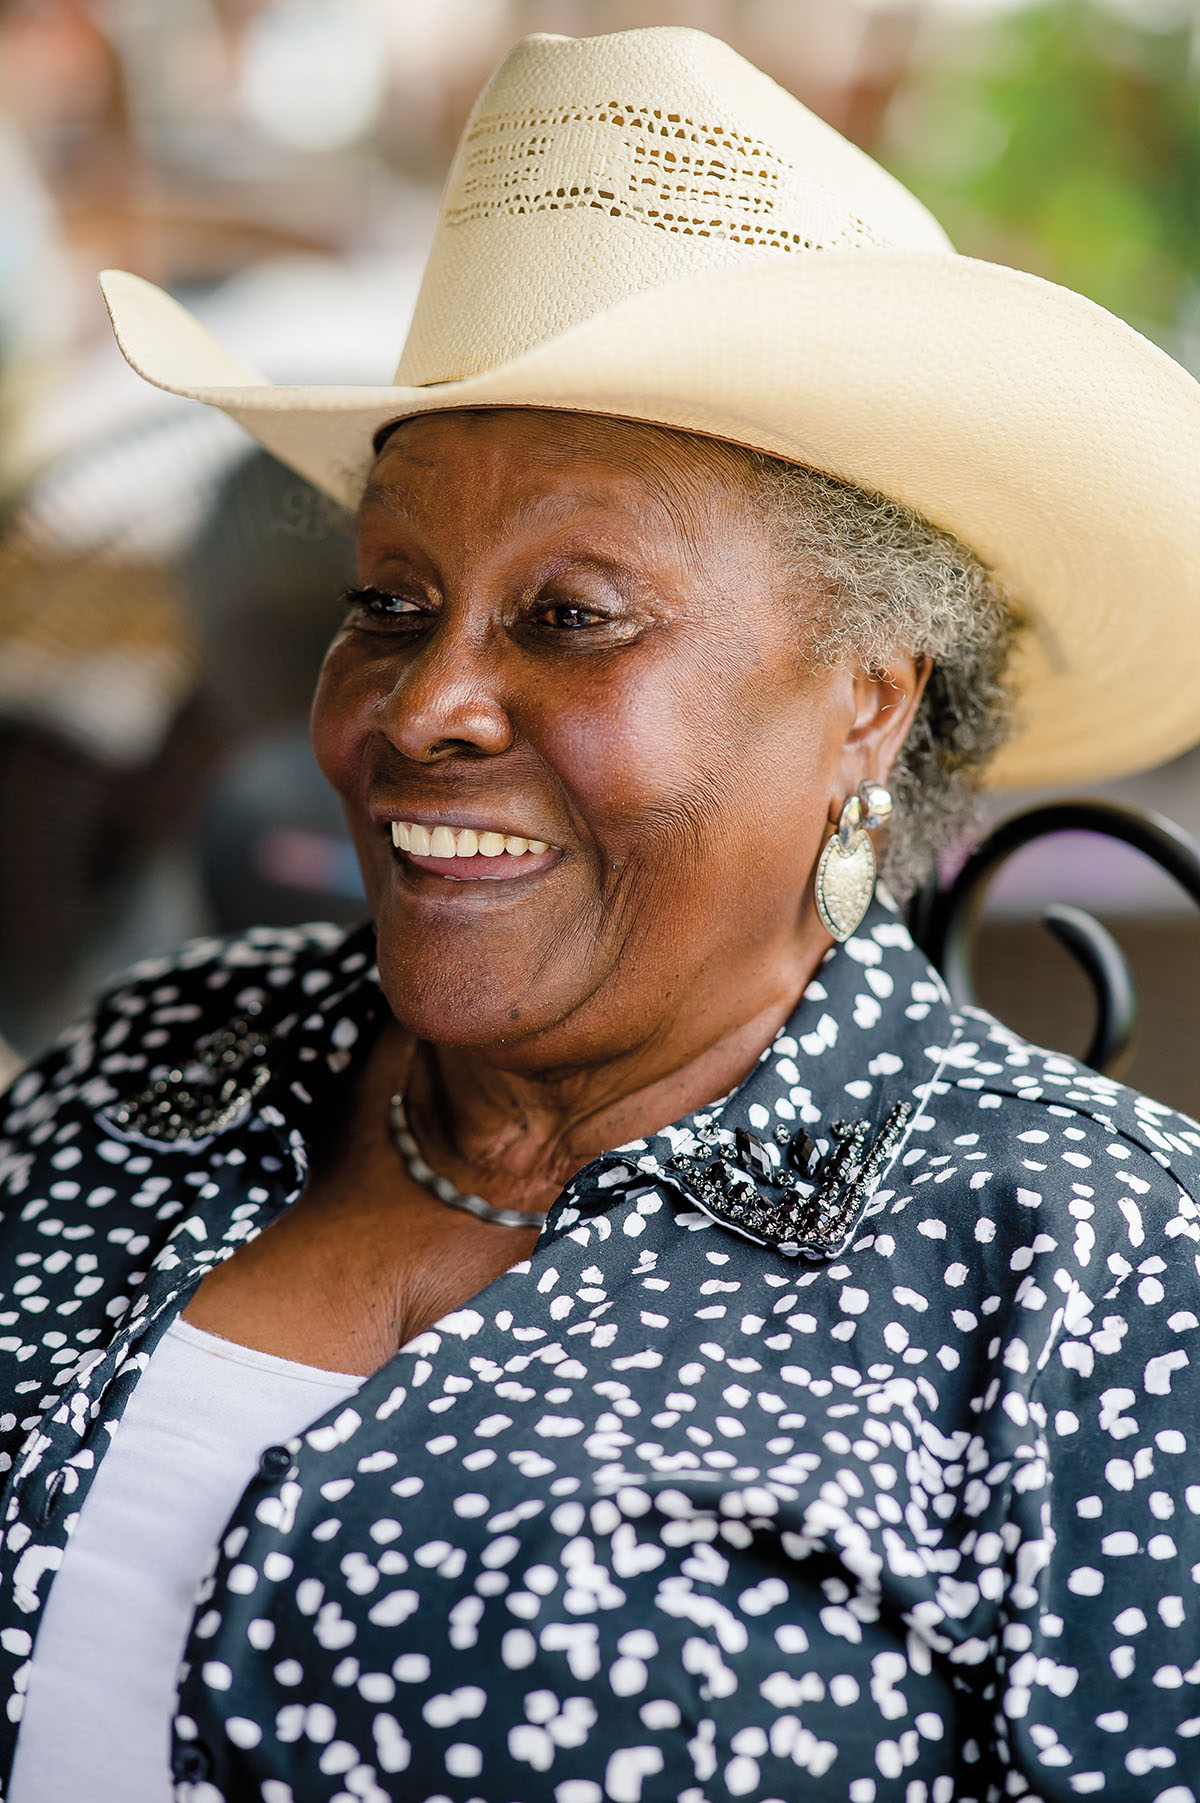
point(190, 1762)
point(275, 1462)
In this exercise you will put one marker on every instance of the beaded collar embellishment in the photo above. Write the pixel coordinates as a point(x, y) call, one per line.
point(206, 1096)
point(787, 1196)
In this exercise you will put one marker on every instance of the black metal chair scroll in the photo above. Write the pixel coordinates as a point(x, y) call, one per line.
point(944, 921)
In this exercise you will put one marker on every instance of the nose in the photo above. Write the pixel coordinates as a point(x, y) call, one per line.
point(445, 702)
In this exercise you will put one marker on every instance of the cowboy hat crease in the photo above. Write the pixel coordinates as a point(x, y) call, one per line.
point(728, 265)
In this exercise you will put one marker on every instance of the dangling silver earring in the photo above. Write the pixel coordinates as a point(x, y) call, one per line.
point(845, 881)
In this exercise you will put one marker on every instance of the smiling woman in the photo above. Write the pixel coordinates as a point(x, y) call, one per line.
point(605, 1330)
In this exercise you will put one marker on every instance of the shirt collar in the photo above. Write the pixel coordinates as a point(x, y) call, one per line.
point(799, 1151)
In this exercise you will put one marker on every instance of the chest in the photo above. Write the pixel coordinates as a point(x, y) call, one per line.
point(366, 1258)
point(565, 1488)
point(595, 1485)
point(590, 1493)
point(362, 1263)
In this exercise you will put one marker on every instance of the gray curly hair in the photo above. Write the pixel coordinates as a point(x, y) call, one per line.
point(887, 580)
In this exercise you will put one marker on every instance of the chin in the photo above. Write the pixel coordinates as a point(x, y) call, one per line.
point(456, 995)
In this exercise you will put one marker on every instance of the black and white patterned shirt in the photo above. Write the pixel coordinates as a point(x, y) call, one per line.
point(662, 1513)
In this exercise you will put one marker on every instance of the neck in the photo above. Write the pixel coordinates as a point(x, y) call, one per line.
point(517, 1138)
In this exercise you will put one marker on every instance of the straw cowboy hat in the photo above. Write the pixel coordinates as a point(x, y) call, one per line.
point(646, 226)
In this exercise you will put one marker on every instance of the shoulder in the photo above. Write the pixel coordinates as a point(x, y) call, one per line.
point(979, 1093)
point(219, 964)
point(1053, 1116)
point(1056, 1187)
point(154, 1016)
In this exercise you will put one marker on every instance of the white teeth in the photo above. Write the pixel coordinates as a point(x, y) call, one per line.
point(464, 842)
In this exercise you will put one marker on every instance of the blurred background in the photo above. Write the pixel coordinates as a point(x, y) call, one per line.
point(166, 590)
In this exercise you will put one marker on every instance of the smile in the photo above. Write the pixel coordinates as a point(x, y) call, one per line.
point(470, 853)
point(462, 842)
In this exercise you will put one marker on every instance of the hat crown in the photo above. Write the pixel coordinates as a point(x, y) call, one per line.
point(593, 169)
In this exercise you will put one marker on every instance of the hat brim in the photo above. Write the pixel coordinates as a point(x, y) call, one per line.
point(1049, 436)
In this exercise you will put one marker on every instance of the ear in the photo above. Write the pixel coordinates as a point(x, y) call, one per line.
point(885, 702)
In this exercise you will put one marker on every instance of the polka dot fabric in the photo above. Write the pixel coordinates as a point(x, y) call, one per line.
point(661, 1514)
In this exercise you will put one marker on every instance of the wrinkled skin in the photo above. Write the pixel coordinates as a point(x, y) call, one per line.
point(577, 632)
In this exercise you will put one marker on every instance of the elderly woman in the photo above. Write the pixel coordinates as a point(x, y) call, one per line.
point(606, 1329)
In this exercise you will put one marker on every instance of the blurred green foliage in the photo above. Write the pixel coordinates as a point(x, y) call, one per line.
point(1066, 139)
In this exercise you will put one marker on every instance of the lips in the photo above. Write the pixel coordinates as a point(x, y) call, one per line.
point(470, 853)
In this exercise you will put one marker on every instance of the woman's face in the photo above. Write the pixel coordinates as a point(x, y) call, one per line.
point(571, 630)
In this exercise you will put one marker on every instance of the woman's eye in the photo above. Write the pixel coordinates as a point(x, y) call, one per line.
point(378, 606)
point(569, 616)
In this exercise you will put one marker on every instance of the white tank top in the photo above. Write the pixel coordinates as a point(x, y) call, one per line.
point(96, 1722)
